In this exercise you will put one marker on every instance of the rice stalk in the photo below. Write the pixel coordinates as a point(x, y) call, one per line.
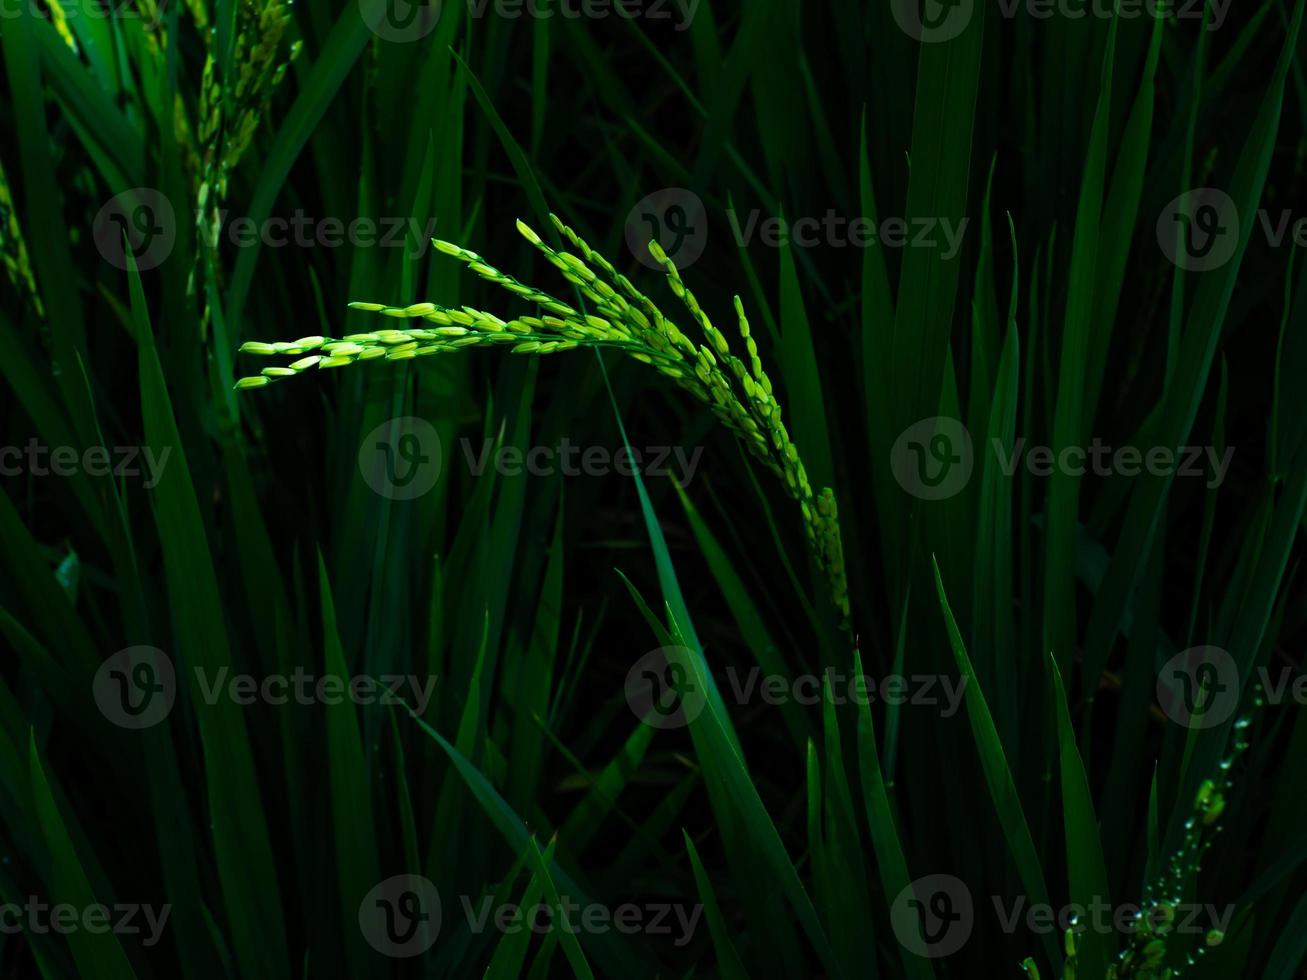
point(230, 111)
point(1153, 937)
point(59, 18)
point(13, 248)
point(624, 319)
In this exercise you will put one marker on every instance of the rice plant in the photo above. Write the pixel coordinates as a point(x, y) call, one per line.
point(897, 576)
point(740, 396)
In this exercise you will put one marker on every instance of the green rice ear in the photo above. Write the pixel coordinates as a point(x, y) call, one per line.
point(618, 317)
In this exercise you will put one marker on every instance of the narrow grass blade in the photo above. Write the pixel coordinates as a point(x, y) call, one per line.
point(1002, 789)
